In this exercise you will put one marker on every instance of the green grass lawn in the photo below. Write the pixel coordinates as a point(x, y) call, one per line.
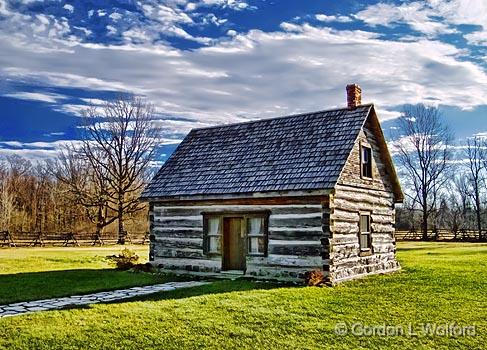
point(40, 273)
point(440, 283)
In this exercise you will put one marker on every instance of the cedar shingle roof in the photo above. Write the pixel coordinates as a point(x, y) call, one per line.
point(299, 152)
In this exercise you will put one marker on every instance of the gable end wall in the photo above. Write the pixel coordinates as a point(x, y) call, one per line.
point(354, 195)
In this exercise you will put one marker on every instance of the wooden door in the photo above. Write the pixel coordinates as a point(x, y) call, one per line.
point(233, 244)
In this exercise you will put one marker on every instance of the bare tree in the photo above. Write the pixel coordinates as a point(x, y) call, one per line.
point(120, 140)
point(87, 185)
point(476, 177)
point(423, 152)
point(6, 202)
point(460, 198)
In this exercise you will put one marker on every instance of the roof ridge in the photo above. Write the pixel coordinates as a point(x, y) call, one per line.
point(280, 117)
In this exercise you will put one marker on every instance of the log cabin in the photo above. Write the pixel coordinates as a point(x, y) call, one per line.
point(276, 198)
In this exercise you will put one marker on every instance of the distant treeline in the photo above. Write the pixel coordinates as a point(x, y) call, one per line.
point(444, 182)
point(33, 200)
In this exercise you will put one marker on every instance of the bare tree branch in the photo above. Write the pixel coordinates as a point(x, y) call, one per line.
point(423, 152)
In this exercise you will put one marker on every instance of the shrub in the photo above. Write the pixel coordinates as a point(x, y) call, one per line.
point(125, 260)
point(314, 278)
point(147, 267)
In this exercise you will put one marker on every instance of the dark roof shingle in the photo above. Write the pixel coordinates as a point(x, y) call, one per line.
point(300, 152)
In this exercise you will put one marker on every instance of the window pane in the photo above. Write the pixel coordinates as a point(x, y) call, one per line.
point(253, 245)
point(261, 245)
point(366, 161)
point(364, 241)
point(365, 154)
point(255, 226)
point(215, 246)
point(213, 226)
point(256, 245)
point(364, 223)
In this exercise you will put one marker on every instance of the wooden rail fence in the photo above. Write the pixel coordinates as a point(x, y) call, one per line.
point(441, 235)
point(33, 239)
point(25, 239)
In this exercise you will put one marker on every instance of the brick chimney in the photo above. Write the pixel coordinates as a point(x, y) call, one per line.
point(354, 96)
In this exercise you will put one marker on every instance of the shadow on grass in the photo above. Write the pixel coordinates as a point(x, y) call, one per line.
point(64, 283)
point(54, 284)
point(214, 287)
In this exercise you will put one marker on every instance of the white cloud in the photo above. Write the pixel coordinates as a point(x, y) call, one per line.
point(387, 115)
point(481, 135)
point(3, 8)
point(135, 35)
point(34, 151)
point(431, 16)
point(416, 14)
point(160, 20)
point(59, 28)
point(467, 12)
point(87, 32)
point(16, 144)
point(111, 30)
point(211, 18)
point(178, 126)
point(40, 23)
point(326, 18)
point(461, 11)
point(477, 38)
point(57, 133)
point(34, 155)
point(237, 5)
point(66, 79)
point(190, 6)
point(165, 14)
point(39, 144)
point(473, 12)
point(115, 16)
point(36, 96)
point(69, 8)
point(93, 101)
point(72, 109)
point(255, 74)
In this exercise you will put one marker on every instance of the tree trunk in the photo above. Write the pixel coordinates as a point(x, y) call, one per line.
point(479, 218)
point(121, 231)
point(100, 222)
point(424, 223)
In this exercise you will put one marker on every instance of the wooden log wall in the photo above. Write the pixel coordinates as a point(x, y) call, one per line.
point(294, 241)
point(354, 195)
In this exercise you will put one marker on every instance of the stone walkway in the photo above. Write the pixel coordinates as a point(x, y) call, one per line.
point(102, 297)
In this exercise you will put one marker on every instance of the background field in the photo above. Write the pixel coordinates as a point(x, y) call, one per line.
point(440, 283)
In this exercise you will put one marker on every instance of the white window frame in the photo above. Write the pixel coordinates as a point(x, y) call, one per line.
point(218, 235)
point(365, 233)
point(362, 163)
point(263, 234)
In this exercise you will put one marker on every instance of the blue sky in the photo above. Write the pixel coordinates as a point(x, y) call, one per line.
point(205, 62)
